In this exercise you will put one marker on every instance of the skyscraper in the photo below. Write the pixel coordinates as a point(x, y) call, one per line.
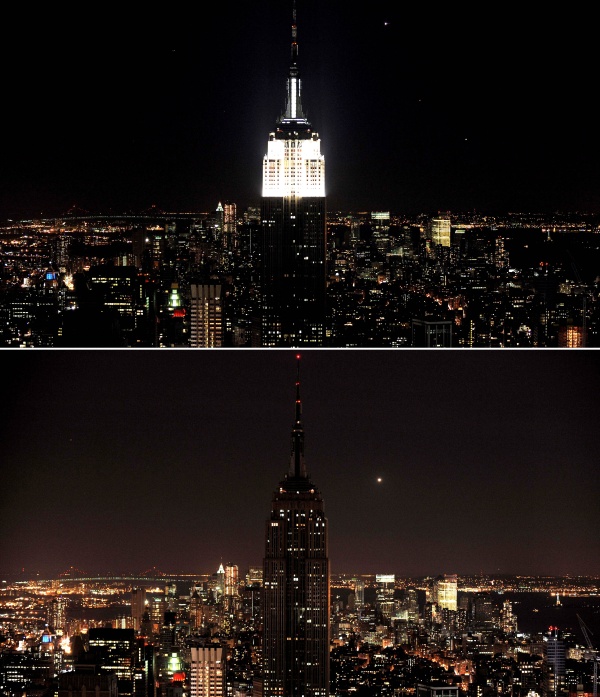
point(553, 666)
point(57, 613)
point(440, 229)
point(293, 273)
point(231, 579)
point(229, 228)
point(296, 583)
point(117, 651)
point(196, 610)
point(445, 592)
point(359, 592)
point(386, 585)
point(231, 597)
point(138, 606)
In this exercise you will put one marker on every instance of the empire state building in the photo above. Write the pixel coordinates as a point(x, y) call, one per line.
point(293, 225)
point(296, 583)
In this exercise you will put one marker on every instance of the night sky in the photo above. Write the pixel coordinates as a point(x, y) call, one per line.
point(121, 461)
point(420, 108)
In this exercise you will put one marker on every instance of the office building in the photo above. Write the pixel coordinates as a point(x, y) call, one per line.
point(439, 229)
point(295, 639)
point(207, 670)
point(554, 663)
point(293, 249)
point(231, 598)
point(508, 618)
point(231, 580)
point(571, 335)
point(118, 289)
point(138, 607)
point(411, 604)
point(380, 230)
point(229, 228)
point(485, 612)
point(385, 590)
point(206, 315)
point(359, 593)
point(445, 592)
point(57, 614)
point(431, 333)
point(117, 651)
point(196, 610)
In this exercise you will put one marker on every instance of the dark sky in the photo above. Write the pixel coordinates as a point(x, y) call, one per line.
point(120, 461)
point(445, 107)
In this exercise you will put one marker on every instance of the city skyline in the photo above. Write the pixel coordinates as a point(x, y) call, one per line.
point(418, 111)
point(122, 462)
point(431, 526)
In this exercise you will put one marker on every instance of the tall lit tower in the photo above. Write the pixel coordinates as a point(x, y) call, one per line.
point(231, 587)
point(293, 273)
point(296, 583)
point(231, 579)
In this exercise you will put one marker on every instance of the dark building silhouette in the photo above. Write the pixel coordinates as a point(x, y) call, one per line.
point(296, 583)
point(119, 652)
point(293, 249)
point(85, 680)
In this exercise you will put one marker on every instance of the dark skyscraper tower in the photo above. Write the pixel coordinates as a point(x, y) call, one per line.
point(296, 583)
point(293, 225)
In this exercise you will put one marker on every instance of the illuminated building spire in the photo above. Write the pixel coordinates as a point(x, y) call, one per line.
point(297, 465)
point(293, 108)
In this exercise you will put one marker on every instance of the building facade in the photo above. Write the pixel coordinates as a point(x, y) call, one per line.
point(445, 592)
point(554, 655)
point(207, 670)
point(206, 315)
point(231, 579)
point(440, 230)
point(138, 607)
point(385, 589)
